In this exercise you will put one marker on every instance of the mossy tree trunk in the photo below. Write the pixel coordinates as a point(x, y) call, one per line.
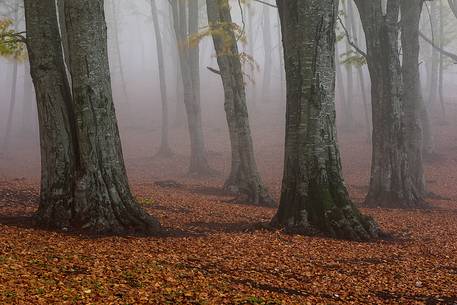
point(244, 177)
point(391, 182)
point(57, 137)
point(314, 196)
point(103, 200)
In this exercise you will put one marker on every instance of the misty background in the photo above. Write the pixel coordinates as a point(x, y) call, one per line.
point(134, 72)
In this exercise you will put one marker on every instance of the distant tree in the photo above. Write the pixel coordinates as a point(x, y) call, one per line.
point(244, 177)
point(314, 196)
point(392, 183)
point(184, 26)
point(164, 150)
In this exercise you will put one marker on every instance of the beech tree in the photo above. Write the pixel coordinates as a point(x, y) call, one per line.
point(84, 182)
point(184, 15)
point(393, 181)
point(244, 177)
point(314, 195)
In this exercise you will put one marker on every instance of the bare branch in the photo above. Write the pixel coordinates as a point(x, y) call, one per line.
point(356, 47)
point(441, 50)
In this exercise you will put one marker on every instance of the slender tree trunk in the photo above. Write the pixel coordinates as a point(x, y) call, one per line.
point(118, 53)
point(268, 59)
point(198, 160)
point(103, 200)
point(441, 62)
point(413, 100)
point(314, 195)
point(57, 137)
point(391, 183)
point(165, 150)
point(434, 60)
point(12, 105)
point(244, 177)
point(355, 38)
point(251, 42)
point(348, 117)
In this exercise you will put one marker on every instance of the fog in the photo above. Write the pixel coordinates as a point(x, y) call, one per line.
point(135, 82)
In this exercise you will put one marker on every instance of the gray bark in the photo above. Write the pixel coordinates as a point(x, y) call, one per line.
point(391, 183)
point(314, 195)
point(103, 200)
point(12, 101)
point(244, 177)
point(413, 100)
point(12, 105)
point(348, 112)
point(198, 160)
point(57, 138)
point(165, 150)
point(268, 59)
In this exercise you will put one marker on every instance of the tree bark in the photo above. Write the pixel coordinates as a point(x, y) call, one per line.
point(391, 183)
point(103, 200)
point(198, 160)
point(165, 150)
point(268, 59)
point(314, 195)
point(244, 177)
point(57, 137)
point(413, 101)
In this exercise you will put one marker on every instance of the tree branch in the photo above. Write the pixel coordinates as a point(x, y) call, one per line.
point(453, 6)
point(214, 70)
point(441, 50)
point(266, 3)
point(356, 47)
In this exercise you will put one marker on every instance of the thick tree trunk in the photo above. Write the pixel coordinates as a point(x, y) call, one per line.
point(198, 160)
point(103, 200)
point(165, 150)
point(57, 138)
point(314, 195)
point(244, 177)
point(413, 100)
point(391, 183)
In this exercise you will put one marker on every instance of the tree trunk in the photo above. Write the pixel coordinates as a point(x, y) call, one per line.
point(103, 200)
point(12, 105)
point(348, 112)
point(118, 53)
point(391, 183)
point(413, 100)
point(165, 150)
point(314, 196)
point(57, 137)
point(198, 160)
point(244, 177)
point(268, 59)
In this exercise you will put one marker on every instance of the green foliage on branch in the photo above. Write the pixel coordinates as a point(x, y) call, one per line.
point(12, 43)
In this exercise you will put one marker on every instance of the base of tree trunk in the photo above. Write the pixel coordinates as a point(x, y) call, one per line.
point(344, 223)
point(164, 153)
point(324, 212)
point(256, 195)
point(201, 169)
point(100, 218)
point(389, 201)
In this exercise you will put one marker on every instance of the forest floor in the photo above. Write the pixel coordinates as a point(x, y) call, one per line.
point(216, 252)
